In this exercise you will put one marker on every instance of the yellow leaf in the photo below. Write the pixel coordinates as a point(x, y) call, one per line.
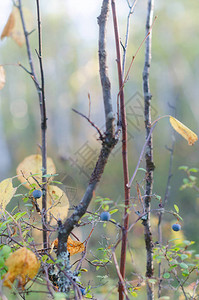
point(73, 247)
point(7, 191)
point(22, 264)
point(13, 27)
point(184, 131)
point(57, 203)
point(2, 77)
point(33, 164)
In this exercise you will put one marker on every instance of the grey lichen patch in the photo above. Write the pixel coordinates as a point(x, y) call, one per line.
point(63, 277)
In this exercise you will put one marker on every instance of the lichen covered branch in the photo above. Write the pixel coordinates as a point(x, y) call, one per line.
point(149, 152)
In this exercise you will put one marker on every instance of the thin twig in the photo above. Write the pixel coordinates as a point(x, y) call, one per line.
point(141, 155)
point(131, 10)
point(119, 274)
point(41, 95)
point(123, 122)
point(166, 196)
point(43, 131)
point(93, 124)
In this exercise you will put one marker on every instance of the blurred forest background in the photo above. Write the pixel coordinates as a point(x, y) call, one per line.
point(70, 56)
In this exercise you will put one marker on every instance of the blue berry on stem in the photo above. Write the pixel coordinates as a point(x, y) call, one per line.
point(83, 291)
point(176, 227)
point(105, 216)
point(37, 194)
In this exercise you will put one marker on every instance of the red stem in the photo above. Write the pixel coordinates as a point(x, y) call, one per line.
point(124, 155)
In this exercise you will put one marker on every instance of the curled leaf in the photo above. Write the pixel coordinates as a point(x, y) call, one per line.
point(22, 264)
point(13, 27)
point(2, 77)
point(73, 247)
point(7, 191)
point(33, 165)
point(183, 130)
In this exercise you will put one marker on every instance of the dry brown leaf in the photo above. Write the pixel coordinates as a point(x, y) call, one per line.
point(13, 27)
point(7, 191)
point(184, 131)
point(2, 77)
point(73, 247)
point(9, 26)
point(33, 164)
point(22, 264)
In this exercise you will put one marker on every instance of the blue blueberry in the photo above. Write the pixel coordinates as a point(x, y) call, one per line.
point(176, 227)
point(37, 194)
point(83, 291)
point(105, 216)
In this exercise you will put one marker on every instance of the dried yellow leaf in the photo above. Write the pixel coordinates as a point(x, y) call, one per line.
point(22, 264)
point(33, 164)
point(184, 131)
point(13, 27)
point(73, 247)
point(57, 203)
point(7, 191)
point(2, 77)
point(9, 26)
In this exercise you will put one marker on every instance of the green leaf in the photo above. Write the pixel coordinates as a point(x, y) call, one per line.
point(19, 215)
point(142, 169)
point(194, 170)
point(134, 294)
point(113, 211)
point(192, 178)
point(5, 251)
point(166, 275)
point(183, 265)
point(176, 208)
point(185, 168)
point(185, 273)
point(183, 256)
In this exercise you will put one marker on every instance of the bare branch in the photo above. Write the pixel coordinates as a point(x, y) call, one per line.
point(123, 122)
point(106, 86)
point(109, 141)
point(41, 95)
point(149, 152)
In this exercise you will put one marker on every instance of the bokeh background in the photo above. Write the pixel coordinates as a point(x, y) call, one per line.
point(70, 57)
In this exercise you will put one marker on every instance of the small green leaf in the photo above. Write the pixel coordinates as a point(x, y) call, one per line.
point(194, 170)
point(113, 211)
point(176, 208)
point(183, 256)
point(185, 273)
point(142, 169)
point(185, 168)
point(166, 275)
point(192, 178)
point(134, 294)
point(183, 266)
